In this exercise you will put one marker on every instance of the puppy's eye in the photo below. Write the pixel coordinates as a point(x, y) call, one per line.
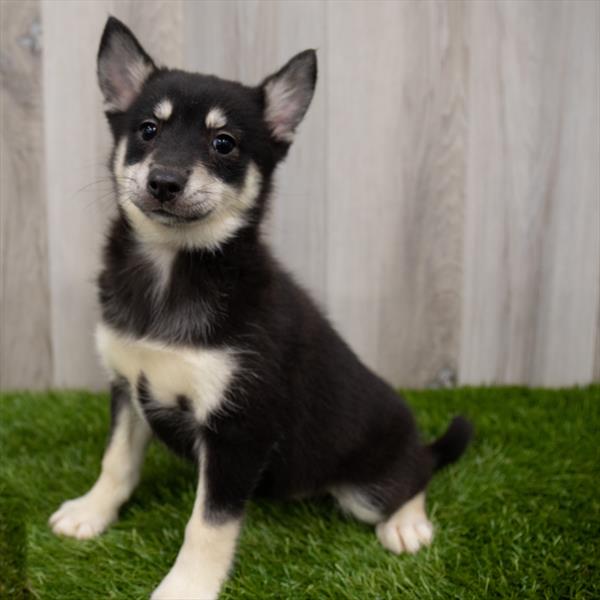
point(223, 143)
point(148, 130)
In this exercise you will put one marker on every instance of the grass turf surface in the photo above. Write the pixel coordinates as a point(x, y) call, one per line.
point(517, 517)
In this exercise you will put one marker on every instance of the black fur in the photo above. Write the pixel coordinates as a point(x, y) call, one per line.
point(303, 413)
point(452, 444)
point(120, 394)
point(174, 426)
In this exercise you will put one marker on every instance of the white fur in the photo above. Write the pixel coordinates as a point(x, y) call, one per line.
point(355, 503)
point(221, 225)
point(200, 374)
point(205, 556)
point(131, 179)
point(163, 110)
point(408, 528)
point(229, 205)
point(215, 118)
point(91, 514)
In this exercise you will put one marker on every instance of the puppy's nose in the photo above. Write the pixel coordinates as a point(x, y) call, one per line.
point(165, 185)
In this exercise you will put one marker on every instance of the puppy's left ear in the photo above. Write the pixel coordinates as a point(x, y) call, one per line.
point(287, 95)
point(123, 66)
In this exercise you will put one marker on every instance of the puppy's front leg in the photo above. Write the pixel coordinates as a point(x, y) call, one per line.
point(90, 514)
point(227, 476)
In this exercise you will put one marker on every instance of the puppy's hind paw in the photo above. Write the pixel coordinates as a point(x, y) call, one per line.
point(405, 538)
point(408, 529)
point(82, 518)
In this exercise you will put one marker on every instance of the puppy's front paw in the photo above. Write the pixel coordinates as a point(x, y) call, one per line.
point(184, 584)
point(82, 518)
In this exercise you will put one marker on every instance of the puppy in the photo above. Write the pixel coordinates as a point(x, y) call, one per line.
point(211, 346)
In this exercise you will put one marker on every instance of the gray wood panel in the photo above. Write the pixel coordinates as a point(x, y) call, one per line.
point(248, 40)
point(532, 244)
point(25, 350)
point(596, 371)
point(396, 122)
point(442, 199)
point(77, 148)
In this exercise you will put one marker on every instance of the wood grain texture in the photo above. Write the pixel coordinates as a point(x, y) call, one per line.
point(532, 243)
point(442, 198)
point(25, 350)
point(248, 40)
point(396, 122)
point(77, 148)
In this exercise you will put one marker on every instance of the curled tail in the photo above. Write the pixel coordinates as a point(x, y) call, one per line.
point(448, 448)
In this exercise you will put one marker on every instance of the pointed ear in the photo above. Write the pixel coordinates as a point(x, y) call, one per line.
point(287, 95)
point(123, 66)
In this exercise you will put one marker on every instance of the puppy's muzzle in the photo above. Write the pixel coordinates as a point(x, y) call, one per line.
point(166, 185)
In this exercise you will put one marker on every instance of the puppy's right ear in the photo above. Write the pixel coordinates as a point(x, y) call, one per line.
point(123, 66)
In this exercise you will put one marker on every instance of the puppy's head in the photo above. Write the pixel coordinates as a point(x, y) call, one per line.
point(194, 154)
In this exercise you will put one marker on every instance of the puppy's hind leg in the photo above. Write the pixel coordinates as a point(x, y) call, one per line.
point(408, 528)
point(405, 530)
point(90, 514)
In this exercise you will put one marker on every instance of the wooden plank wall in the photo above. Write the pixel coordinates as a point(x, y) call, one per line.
point(396, 184)
point(25, 324)
point(532, 234)
point(441, 201)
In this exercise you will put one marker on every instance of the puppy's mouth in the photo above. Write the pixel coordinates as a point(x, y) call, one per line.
point(172, 213)
point(168, 217)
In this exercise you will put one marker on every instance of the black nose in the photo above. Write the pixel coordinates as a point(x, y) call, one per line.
point(165, 184)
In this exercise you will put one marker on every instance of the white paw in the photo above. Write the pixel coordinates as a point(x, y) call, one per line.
point(181, 584)
point(82, 518)
point(407, 537)
point(408, 529)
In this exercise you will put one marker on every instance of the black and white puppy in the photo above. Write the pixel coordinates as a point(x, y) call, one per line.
point(211, 346)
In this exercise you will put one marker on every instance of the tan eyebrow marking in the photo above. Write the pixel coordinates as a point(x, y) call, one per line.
point(163, 110)
point(215, 118)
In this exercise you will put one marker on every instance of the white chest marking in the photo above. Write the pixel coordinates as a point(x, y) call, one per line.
point(202, 375)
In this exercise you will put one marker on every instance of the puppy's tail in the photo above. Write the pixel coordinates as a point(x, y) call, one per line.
point(452, 444)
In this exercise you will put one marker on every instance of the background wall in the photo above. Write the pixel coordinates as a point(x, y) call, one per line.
point(442, 199)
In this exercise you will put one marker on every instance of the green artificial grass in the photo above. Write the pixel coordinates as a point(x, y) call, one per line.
point(517, 517)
